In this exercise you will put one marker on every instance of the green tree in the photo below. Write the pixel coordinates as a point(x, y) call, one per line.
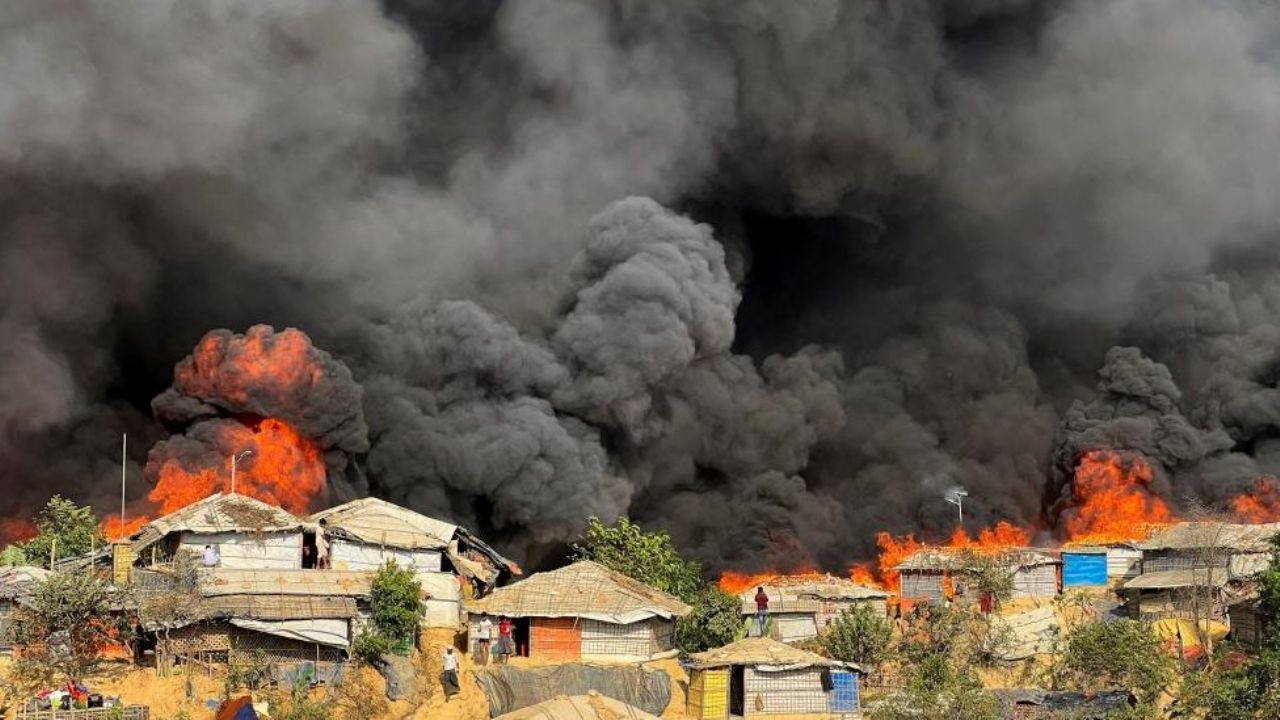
point(652, 558)
point(65, 528)
point(859, 635)
point(396, 601)
point(939, 689)
point(1120, 654)
point(68, 620)
point(988, 575)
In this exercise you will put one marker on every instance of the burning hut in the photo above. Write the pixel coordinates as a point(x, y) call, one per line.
point(364, 534)
point(803, 606)
point(936, 575)
point(585, 611)
point(246, 533)
point(759, 677)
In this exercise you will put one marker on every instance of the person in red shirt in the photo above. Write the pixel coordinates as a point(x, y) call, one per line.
point(762, 608)
point(506, 646)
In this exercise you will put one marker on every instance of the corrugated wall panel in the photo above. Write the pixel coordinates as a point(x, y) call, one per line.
point(1084, 569)
point(918, 585)
point(790, 692)
point(708, 695)
point(1123, 562)
point(1038, 581)
point(555, 639)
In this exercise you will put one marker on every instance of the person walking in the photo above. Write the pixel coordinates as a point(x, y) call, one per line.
point(762, 609)
point(449, 678)
point(484, 633)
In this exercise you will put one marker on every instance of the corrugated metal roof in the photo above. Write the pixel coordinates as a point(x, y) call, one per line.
point(1165, 579)
point(223, 581)
point(583, 589)
point(762, 651)
point(1202, 535)
point(18, 581)
point(218, 514)
point(379, 522)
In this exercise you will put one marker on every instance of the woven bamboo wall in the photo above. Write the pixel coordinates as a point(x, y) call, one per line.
point(790, 692)
point(602, 638)
point(221, 638)
point(1035, 581)
point(708, 697)
point(555, 639)
point(925, 585)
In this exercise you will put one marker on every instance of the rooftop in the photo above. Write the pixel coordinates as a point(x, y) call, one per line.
point(583, 589)
point(762, 651)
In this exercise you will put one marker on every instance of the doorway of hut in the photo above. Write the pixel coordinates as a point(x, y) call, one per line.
point(520, 636)
point(308, 551)
point(737, 691)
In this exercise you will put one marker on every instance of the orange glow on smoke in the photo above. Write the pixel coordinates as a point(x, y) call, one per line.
point(1261, 504)
point(285, 469)
point(256, 363)
point(17, 530)
point(1113, 502)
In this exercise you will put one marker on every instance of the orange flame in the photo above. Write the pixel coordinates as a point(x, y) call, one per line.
point(16, 530)
point(1259, 505)
point(115, 532)
point(736, 582)
point(284, 469)
point(260, 362)
point(1113, 502)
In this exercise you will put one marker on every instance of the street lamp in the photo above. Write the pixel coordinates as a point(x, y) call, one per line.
point(235, 459)
point(956, 496)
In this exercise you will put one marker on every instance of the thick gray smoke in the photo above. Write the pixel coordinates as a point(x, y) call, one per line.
point(773, 276)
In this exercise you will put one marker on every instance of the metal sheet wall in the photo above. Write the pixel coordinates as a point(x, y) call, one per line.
point(708, 695)
point(792, 627)
point(1123, 562)
point(344, 555)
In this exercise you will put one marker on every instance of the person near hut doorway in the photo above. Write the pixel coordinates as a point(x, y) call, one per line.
point(506, 644)
point(211, 558)
point(762, 609)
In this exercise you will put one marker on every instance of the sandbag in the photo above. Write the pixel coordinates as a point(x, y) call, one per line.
point(509, 688)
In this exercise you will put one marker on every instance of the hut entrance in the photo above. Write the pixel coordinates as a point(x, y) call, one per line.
point(309, 551)
point(737, 693)
point(520, 636)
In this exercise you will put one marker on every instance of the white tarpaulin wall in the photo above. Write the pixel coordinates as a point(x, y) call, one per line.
point(344, 555)
point(333, 633)
point(444, 608)
point(249, 551)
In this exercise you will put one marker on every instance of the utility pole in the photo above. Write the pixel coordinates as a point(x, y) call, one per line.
point(124, 477)
point(956, 496)
point(235, 459)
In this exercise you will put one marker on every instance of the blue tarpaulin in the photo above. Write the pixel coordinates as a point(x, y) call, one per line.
point(844, 692)
point(1084, 569)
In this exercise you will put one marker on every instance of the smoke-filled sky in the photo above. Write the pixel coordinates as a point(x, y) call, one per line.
point(771, 275)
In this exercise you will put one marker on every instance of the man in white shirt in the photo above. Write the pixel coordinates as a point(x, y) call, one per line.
point(449, 678)
point(484, 635)
point(211, 558)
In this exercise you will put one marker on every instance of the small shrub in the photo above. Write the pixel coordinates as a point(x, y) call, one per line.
point(859, 635)
point(1120, 654)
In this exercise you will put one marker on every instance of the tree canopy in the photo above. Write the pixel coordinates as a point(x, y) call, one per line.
point(65, 528)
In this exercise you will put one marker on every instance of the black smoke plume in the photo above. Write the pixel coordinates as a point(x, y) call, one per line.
point(774, 276)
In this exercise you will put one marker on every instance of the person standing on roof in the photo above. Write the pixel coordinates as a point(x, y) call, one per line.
point(211, 558)
point(484, 633)
point(762, 608)
point(449, 678)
